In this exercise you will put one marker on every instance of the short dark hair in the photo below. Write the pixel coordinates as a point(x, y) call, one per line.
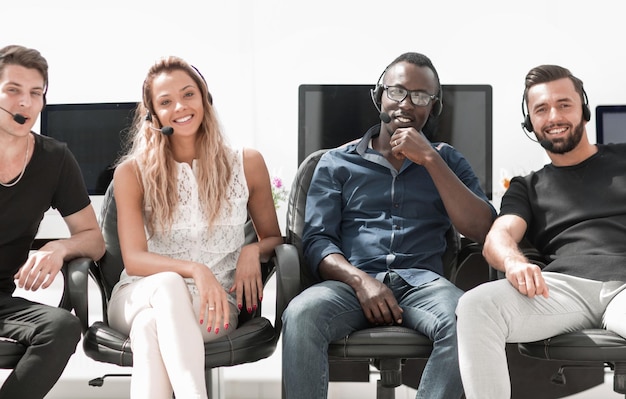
point(550, 73)
point(419, 60)
point(26, 57)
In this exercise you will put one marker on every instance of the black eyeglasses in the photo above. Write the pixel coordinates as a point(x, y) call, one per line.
point(418, 97)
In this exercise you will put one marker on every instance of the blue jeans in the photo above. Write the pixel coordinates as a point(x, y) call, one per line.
point(330, 310)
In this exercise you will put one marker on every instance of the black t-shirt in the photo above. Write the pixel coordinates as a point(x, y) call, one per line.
point(576, 215)
point(52, 179)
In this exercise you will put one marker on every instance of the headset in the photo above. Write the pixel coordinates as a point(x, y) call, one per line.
point(527, 124)
point(168, 130)
point(377, 95)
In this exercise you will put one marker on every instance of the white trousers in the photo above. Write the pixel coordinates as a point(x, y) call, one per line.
point(495, 313)
point(161, 318)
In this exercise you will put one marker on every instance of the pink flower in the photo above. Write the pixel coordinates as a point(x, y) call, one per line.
point(279, 193)
point(277, 182)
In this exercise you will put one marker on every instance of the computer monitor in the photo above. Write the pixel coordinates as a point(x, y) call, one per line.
point(610, 124)
point(94, 132)
point(331, 115)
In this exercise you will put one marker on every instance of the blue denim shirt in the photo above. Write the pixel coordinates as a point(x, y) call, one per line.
point(378, 218)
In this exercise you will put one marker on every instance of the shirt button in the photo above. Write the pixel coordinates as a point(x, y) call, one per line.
point(396, 205)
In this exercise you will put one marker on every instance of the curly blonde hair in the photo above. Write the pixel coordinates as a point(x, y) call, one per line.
point(152, 151)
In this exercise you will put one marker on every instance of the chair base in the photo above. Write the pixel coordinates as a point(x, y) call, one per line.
point(390, 372)
point(383, 392)
point(619, 377)
point(99, 381)
point(214, 390)
point(592, 345)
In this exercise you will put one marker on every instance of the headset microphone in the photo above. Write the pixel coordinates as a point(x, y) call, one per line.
point(547, 145)
point(166, 130)
point(382, 114)
point(21, 119)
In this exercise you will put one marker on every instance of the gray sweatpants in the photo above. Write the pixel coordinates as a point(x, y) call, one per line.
point(495, 313)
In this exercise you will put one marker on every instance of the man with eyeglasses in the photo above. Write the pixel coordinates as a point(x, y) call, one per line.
point(377, 214)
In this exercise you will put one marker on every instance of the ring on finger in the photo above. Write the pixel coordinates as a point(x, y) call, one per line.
point(211, 307)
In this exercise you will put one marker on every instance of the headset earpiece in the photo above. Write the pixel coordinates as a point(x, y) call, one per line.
point(438, 104)
point(377, 94)
point(528, 126)
point(586, 109)
point(377, 91)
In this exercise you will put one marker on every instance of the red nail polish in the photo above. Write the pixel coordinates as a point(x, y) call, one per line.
point(254, 307)
point(217, 330)
point(201, 321)
point(209, 329)
point(249, 310)
point(226, 326)
point(240, 306)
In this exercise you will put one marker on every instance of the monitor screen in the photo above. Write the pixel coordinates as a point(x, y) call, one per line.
point(94, 133)
point(331, 115)
point(610, 124)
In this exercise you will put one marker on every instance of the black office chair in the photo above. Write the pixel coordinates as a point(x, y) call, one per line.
point(255, 338)
point(586, 352)
point(386, 348)
point(593, 348)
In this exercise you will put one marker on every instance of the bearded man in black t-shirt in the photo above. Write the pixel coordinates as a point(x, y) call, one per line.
point(573, 211)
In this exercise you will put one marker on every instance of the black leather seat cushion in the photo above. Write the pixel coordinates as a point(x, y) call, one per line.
point(384, 342)
point(250, 342)
point(585, 345)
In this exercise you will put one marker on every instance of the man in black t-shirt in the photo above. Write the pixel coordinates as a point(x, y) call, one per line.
point(573, 211)
point(36, 173)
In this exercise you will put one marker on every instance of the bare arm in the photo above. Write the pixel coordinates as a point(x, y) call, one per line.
point(248, 279)
point(42, 266)
point(502, 252)
point(138, 261)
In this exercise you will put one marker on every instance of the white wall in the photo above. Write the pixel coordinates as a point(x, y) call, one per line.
point(255, 54)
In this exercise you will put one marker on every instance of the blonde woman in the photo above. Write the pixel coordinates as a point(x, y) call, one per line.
point(183, 197)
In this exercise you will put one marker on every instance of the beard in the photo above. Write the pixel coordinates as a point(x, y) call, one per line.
point(562, 146)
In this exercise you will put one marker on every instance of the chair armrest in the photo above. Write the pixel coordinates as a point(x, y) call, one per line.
point(65, 302)
point(76, 288)
point(288, 280)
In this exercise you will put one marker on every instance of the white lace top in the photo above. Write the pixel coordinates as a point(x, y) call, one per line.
point(191, 239)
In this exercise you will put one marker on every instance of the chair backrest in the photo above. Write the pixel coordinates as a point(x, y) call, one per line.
point(109, 267)
point(296, 207)
point(111, 264)
point(295, 220)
